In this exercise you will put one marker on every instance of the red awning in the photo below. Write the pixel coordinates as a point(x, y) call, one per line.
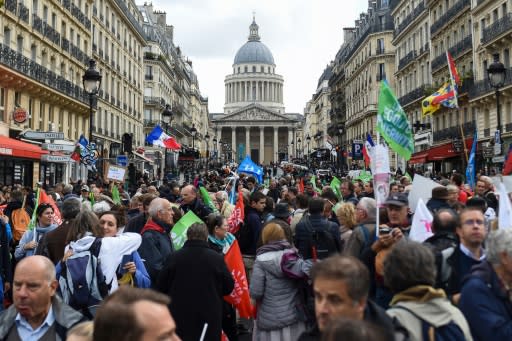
point(417, 158)
point(446, 151)
point(13, 147)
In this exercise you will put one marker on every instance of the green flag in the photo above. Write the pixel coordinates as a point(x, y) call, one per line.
point(365, 176)
point(115, 195)
point(91, 198)
point(207, 199)
point(392, 123)
point(32, 223)
point(335, 185)
point(179, 231)
point(313, 182)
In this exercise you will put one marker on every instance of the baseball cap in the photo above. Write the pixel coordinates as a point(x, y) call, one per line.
point(397, 199)
point(85, 188)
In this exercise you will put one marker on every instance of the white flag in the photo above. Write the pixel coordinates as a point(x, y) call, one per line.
point(505, 208)
point(421, 227)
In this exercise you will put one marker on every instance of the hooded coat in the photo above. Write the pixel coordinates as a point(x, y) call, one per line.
point(28, 236)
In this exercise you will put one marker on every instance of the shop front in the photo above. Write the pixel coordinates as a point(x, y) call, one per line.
point(443, 158)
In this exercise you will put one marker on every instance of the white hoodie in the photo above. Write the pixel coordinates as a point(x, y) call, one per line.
point(111, 252)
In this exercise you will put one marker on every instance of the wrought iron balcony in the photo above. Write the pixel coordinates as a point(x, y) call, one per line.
point(482, 87)
point(406, 60)
point(424, 48)
point(37, 23)
point(468, 128)
point(508, 127)
point(128, 14)
point(66, 4)
point(499, 27)
point(125, 106)
point(29, 68)
point(148, 77)
point(10, 5)
point(451, 13)
point(380, 50)
point(23, 12)
point(413, 95)
point(364, 32)
point(447, 133)
point(150, 100)
point(455, 51)
point(409, 19)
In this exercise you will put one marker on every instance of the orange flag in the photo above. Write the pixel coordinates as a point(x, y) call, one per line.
point(239, 297)
point(300, 186)
point(45, 198)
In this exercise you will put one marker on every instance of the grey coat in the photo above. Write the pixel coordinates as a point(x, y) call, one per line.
point(277, 295)
point(65, 318)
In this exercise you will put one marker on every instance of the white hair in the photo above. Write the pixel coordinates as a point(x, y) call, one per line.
point(369, 205)
point(101, 206)
point(156, 205)
point(498, 242)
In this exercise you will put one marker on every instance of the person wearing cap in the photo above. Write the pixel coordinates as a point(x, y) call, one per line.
point(439, 199)
point(85, 197)
point(397, 208)
point(282, 218)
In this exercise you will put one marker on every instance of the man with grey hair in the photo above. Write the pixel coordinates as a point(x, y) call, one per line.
point(156, 243)
point(485, 296)
point(37, 313)
point(196, 278)
point(190, 202)
point(364, 233)
point(53, 243)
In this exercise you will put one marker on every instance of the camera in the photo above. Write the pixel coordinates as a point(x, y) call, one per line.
point(384, 230)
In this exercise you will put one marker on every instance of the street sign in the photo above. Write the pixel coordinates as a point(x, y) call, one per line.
point(497, 136)
point(498, 159)
point(122, 160)
point(43, 135)
point(497, 149)
point(55, 158)
point(488, 152)
point(53, 147)
point(357, 150)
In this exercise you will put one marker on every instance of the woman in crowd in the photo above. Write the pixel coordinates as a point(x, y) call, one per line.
point(275, 287)
point(86, 229)
point(131, 267)
point(30, 239)
point(346, 214)
point(221, 240)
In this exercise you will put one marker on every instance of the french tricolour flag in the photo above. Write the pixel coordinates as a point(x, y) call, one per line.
point(158, 137)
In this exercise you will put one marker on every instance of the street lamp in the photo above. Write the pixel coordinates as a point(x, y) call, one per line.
point(292, 144)
point(496, 73)
point(91, 81)
point(215, 148)
point(298, 147)
point(193, 132)
point(207, 138)
point(308, 139)
point(167, 117)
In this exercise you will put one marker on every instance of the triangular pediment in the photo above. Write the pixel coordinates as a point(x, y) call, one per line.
point(254, 112)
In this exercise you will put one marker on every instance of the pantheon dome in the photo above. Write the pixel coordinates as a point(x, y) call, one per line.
point(254, 51)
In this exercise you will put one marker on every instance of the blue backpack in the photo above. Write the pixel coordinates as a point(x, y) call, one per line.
point(82, 284)
point(447, 332)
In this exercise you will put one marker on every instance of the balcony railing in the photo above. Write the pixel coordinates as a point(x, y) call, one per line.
point(451, 13)
point(16, 61)
point(483, 86)
point(23, 12)
point(128, 14)
point(367, 30)
point(413, 95)
point(501, 26)
point(380, 50)
point(64, 44)
point(424, 48)
point(455, 51)
point(151, 122)
point(154, 100)
point(148, 77)
point(409, 19)
point(10, 5)
point(406, 60)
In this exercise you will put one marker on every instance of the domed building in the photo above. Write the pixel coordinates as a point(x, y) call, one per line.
point(254, 121)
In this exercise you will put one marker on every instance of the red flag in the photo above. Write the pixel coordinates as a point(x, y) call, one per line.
point(237, 216)
point(454, 74)
point(300, 187)
point(507, 167)
point(240, 296)
point(366, 156)
point(171, 143)
point(45, 198)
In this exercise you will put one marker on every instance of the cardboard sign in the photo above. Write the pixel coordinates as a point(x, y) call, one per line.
point(116, 173)
point(421, 188)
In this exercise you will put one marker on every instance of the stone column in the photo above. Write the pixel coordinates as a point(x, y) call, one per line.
point(262, 144)
point(257, 90)
point(226, 93)
point(233, 141)
point(276, 146)
point(246, 86)
point(247, 141)
point(290, 139)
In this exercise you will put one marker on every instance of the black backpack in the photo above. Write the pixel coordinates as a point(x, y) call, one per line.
point(321, 243)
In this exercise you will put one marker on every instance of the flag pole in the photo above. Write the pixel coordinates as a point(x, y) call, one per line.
point(377, 215)
point(464, 142)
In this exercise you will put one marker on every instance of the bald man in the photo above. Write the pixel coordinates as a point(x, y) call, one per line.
point(190, 202)
point(37, 313)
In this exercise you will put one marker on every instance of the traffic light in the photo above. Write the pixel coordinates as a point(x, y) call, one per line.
point(127, 143)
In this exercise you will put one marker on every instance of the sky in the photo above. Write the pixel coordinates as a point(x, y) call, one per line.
point(303, 35)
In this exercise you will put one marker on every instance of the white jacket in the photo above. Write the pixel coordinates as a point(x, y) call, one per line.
point(111, 252)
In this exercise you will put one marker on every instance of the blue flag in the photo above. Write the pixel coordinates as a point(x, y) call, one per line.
point(470, 170)
point(249, 167)
point(370, 140)
point(155, 134)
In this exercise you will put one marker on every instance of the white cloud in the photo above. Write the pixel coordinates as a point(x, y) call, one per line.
point(303, 36)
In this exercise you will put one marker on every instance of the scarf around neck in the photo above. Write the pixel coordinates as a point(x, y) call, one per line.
point(418, 293)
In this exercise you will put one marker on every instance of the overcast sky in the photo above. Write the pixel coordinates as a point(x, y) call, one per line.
point(303, 35)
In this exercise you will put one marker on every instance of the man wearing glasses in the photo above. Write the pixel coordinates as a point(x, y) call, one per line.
point(457, 261)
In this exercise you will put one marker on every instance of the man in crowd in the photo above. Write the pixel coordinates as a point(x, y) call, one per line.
point(135, 314)
point(250, 236)
point(37, 313)
point(190, 202)
point(136, 223)
point(484, 189)
point(443, 226)
point(156, 243)
point(340, 286)
point(363, 234)
point(347, 192)
point(397, 207)
point(485, 298)
point(196, 278)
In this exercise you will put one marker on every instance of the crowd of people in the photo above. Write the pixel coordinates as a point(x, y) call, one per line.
point(321, 263)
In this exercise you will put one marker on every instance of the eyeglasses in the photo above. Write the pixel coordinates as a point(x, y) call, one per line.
point(471, 222)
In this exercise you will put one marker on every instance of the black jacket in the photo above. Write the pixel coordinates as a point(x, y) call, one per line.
point(303, 233)
point(155, 248)
point(442, 240)
point(196, 278)
point(435, 205)
point(199, 209)
point(136, 223)
point(5, 257)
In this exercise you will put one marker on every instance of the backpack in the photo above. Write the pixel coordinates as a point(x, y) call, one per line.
point(321, 243)
point(82, 284)
point(447, 332)
point(19, 222)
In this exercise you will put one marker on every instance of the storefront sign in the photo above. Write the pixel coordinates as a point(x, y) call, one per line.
point(43, 135)
point(19, 115)
point(53, 147)
point(5, 151)
point(55, 158)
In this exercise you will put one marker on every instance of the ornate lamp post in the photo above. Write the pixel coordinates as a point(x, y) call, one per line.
point(292, 146)
point(215, 148)
point(496, 73)
point(167, 117)
point(207, 138)
point(91, 81)
point(193, 132)
point(308, 139)
point(298, 147)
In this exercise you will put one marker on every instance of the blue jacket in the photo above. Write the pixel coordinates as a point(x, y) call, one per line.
point(141, 277)
point(486, 305)
point(254, 223)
